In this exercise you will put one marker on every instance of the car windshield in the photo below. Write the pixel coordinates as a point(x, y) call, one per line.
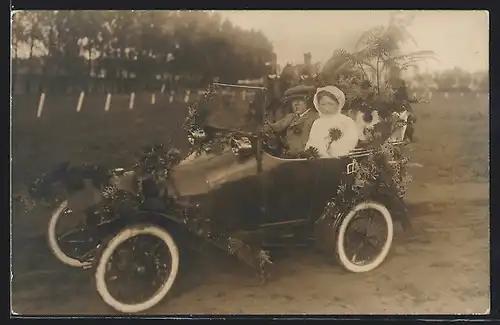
point(233, 107)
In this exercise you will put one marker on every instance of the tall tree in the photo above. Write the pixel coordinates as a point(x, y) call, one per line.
point(19, 37)
point(141, 47)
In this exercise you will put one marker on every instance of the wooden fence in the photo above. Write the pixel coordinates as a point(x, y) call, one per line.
point(43, 106)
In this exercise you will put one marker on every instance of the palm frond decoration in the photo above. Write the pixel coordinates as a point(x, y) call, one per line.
point(378, 52)
point(370, 36)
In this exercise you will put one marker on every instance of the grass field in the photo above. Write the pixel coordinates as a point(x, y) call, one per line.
point(441, 267)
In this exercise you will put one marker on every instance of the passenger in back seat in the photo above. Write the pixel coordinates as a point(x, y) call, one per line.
point(333, 134)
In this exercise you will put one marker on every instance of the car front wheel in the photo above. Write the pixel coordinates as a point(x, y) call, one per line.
point(137, 268)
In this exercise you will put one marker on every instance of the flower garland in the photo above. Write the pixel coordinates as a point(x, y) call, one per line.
point(51, 188)
point(383, 172)
point(249, 252)
point(205, 140)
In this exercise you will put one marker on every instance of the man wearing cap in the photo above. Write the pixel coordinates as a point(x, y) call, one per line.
point(297, 124)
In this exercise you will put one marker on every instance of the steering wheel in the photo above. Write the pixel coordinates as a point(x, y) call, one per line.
point(273, 141)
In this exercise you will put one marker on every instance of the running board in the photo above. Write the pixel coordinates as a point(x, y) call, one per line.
point(282, 223)
point(305, 243)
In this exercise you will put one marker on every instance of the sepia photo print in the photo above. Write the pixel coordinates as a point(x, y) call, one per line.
point(249, 162)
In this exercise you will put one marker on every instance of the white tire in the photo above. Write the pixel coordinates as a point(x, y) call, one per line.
point(108, 251)
point(52, 238)
point(340, 248)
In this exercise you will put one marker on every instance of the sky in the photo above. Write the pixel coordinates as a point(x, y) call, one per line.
point(459, 38)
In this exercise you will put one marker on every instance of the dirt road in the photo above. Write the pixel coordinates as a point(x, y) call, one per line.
point(442, 267)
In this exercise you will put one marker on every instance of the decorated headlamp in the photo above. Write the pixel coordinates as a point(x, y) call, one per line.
point(241, 146)
point(196, 135)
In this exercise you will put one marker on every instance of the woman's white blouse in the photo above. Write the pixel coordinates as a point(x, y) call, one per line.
point(319, 136)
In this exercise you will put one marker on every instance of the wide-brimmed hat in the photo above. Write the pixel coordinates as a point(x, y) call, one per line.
point(300, 91)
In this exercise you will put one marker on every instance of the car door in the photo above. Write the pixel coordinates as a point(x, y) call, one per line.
point(287, 187)
point(330, 173)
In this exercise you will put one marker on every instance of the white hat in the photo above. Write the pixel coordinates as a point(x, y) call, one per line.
point(339, 94)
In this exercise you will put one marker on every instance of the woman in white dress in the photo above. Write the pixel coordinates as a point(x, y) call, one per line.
point(332, 134)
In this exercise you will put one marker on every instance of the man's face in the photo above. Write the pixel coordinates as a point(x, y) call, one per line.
point(299, 105)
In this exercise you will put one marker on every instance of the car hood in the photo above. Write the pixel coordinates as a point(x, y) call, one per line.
point(199, 175)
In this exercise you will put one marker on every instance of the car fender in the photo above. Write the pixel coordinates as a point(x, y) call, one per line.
point(114, 225)
point(326, 227)
point(396, 206)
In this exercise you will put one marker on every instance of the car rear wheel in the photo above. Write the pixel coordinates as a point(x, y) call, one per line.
point(364, 237)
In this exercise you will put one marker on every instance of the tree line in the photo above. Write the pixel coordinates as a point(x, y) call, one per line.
point(453, 80)
point(120, 51)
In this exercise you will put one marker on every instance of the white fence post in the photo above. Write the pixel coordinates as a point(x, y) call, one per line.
point(244, 94)
point(446, 95)
point(132, 100)
point(430, 95)
point(153, 99)
point(80, 101)
point(162, 89)
point(108, 102)
point(186, 97)
point(40, 105)
point(171, 99)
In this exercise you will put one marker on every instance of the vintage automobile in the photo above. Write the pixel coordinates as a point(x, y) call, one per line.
point(233, 189)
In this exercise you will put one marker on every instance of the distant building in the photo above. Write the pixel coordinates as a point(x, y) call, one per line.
point(303, 72)
point(308, 69)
